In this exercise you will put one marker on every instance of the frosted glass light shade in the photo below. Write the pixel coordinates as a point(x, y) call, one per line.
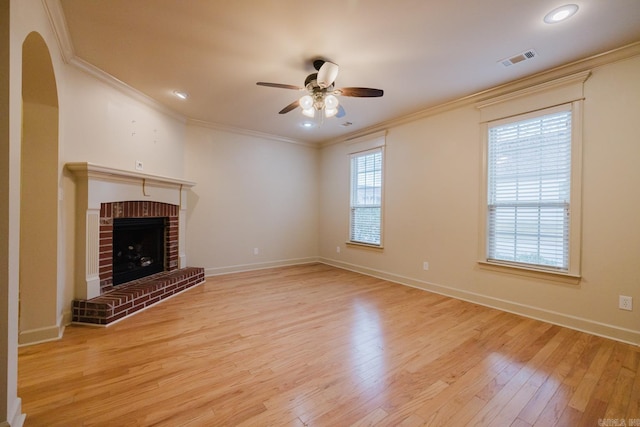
point(306, 102)
point(331, 102)
point(330, 112)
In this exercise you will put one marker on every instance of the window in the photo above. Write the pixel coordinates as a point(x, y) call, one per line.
point(366, 197)
point(530, 216)
point(529, 173)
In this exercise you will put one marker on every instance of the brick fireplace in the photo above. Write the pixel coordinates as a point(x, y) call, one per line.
point(106, 194)
point(135, 209)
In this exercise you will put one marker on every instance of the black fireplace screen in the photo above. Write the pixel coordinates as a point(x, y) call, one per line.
point(138, 248)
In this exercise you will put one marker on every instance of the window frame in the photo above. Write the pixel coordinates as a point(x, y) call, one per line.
point(572, 274)
point(352, 156)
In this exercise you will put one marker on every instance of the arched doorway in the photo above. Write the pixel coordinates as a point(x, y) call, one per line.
point(38, 194)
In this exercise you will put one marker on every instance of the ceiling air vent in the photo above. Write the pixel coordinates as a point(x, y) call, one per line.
point(529, 54)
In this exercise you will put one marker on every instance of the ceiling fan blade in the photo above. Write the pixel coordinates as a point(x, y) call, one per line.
point(327, 74)
point(290, 107)
point(362, 92)
point(279, 85)
point(341, 112)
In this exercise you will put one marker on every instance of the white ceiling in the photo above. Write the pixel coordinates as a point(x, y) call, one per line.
point(420, 52)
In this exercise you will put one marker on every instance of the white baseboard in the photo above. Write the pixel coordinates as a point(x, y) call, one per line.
point(216, 271)
point(48, 333)
point(65, 318)
point(40, 335)
point(593, 327)
point(15, 417)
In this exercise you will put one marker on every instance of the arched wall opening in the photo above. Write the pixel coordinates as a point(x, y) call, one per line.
point(38, 195)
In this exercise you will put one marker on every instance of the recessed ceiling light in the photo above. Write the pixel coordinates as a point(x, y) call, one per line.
point(561, 13)
point(181, 95)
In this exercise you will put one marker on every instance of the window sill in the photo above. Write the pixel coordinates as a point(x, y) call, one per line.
point(377, 248)
point(554, 276)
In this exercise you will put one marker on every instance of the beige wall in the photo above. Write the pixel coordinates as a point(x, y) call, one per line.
point(250, 193)
point(103, 125)
point(38, 226)
point(433, 169)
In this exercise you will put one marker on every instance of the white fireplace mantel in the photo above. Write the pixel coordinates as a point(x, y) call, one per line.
point(96, 184)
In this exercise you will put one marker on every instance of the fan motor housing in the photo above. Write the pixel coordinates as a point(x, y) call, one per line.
point(312, 80)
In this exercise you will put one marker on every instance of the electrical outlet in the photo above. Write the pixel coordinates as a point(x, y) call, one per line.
point(338, 249)
point(256, 251)
point(625, 302)
point(139, 165)
point(425, 265)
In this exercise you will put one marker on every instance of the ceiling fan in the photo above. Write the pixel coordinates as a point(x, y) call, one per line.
point(321, 92)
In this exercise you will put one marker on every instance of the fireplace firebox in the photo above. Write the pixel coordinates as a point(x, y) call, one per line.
point(138, 248)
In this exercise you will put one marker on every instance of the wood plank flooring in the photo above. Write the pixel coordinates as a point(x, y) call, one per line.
point(315, 345)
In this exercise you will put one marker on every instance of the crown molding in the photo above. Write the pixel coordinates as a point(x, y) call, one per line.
point(380, 135)
point(54, 11)
point(59, 25)
point(58, 22)
point(248, 132)
point(580, 78)
point(124, 88)
point(544, 77)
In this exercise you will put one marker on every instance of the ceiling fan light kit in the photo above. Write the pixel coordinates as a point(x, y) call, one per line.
point(322, 93)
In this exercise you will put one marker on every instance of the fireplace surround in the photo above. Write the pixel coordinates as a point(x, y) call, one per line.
point(117, 190)
point(105, 194)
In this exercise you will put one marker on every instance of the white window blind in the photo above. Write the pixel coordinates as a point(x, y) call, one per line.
point(529, 186)
point(366, 197)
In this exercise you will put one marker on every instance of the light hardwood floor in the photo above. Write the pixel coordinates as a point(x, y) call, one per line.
point(315, 345)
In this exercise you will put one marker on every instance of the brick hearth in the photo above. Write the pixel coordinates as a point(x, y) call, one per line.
point(133, 296)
